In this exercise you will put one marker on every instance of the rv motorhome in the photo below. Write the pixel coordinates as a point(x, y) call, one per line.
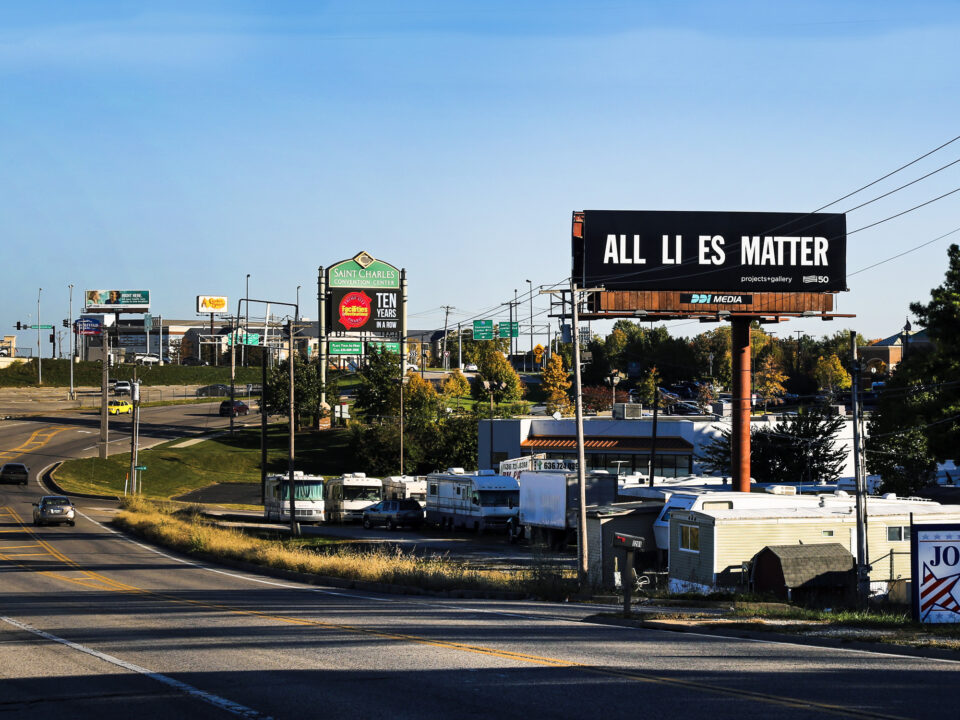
point(347, 496)
point(476, 501)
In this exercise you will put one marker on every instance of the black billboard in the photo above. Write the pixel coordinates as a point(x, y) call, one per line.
point(367, 309)
point(718, 251)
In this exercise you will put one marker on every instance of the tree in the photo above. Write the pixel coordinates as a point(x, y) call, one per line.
point(306, 391)
point(493, 366)
point(647, 388)
point(379, 391)
point(801, 448)
point(599, 397)
point(831, 375)
point(768, 381)
point(420, 403)
point(555, 382)
point(455, 386)
point(706, 396)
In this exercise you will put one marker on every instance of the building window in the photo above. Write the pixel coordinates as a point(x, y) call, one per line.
point(827, 533)
point(898, 533)
point(690, 538)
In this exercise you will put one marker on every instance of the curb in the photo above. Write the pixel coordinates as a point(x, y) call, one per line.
point(47, 481)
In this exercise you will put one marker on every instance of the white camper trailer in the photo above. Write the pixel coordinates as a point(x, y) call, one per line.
point(405, 487)
point(347, 496)
point(476, 501)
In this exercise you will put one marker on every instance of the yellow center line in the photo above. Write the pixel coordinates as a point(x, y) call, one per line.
point(100, 582)
point(37, 440)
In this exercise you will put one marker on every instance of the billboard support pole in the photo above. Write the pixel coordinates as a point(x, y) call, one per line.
point(740, 451)
point(582, 557)
point(322, 338)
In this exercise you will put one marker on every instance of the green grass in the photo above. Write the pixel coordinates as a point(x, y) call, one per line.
point(173, 471)
point(56, 373)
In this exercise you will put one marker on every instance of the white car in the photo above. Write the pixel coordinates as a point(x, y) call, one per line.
point(122, 387)
point(470, 367)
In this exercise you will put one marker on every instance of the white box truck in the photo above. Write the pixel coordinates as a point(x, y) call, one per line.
point(476, 501)
point(549, 502)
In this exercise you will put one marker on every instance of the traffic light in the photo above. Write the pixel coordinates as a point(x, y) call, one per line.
point(18, 325)
point(66, 323)
point(53, 338)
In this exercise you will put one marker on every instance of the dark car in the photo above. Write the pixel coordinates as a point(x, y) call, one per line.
point(235, 408)
point(393, 513)
point(213, 390)
point(14, 474)
point(54, 509)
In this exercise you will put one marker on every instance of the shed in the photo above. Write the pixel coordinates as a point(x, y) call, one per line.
point(634, 518)
point(798, 572)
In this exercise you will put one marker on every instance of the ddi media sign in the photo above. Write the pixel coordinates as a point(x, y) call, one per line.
point(935, 554)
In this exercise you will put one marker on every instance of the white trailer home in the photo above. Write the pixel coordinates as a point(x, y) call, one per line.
point(476, 501)
point(710, 545)
point(347, 496)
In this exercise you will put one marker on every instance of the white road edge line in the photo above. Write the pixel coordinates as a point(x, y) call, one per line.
point(215, 700)
point(500, 613)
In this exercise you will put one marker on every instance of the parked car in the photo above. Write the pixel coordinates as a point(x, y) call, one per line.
point(470, 367)
point(393, 513)
point(118, 407)
point(237, 407)
point(146, 358)
point(53, 509)
point(685, 408)
point(14, 474)
point(218, 390)
point(122, 387)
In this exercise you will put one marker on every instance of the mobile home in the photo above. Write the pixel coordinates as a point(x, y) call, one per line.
point(347, 496)
point(405, 487)
point(711, 546)
point(471, 500)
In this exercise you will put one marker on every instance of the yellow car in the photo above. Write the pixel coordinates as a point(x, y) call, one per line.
point(115, 407)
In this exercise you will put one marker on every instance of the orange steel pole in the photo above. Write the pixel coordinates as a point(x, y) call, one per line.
point(740, 452)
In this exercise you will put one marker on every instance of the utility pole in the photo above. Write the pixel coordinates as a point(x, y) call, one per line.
point(459, 349)
point(653, 437)
point(105, 376)
point(514, 346)
point(583, 565)
point(322, 338)
point(246, 326)
point(531, 325)
point(863, 560)
point(446, 318)
point(73, 344)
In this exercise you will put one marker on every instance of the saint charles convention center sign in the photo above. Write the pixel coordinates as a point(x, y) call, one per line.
point(364, 296)
point(716, 251)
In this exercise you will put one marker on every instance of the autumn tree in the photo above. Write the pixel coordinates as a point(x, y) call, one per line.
point(555, 382)
point(831, 375)
point(768, 381)
point(455, 386)
point(494, 367)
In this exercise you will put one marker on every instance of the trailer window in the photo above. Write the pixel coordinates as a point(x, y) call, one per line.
point(690, 538)
point(368, 494)
point(500, 498)
point(433, 488)
point(898, 533)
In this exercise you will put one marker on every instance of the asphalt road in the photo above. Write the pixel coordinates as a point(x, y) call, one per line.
point(96, 625)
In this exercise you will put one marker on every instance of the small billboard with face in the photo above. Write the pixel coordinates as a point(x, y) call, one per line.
point(130, 301)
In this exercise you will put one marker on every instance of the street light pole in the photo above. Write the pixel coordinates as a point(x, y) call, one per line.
point(246, 326)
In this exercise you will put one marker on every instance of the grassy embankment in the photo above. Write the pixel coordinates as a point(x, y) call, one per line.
point(56, 373)
point(184, 529)
point(172, 470)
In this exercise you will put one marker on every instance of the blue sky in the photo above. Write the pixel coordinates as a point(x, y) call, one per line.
point(177, 147)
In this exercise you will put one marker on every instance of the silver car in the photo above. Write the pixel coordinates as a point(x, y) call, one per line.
point(54, 509)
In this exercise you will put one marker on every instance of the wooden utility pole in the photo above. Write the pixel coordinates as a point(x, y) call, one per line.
point(583, 560)
point(104, 389)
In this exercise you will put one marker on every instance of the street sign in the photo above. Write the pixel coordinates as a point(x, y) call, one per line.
point(483, 329)
point(139, 467)
point(509, 329)
point(244, 338)
point(147, 322)
point(390, 347)
point(346, 347)
point(40, 327)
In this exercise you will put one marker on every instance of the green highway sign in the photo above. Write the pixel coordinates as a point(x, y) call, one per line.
point(40, 327)
point(345, 347)
point(244, 338)
point(390, 347)
point(483, 329)
point(139, 467)
point(509, 329)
